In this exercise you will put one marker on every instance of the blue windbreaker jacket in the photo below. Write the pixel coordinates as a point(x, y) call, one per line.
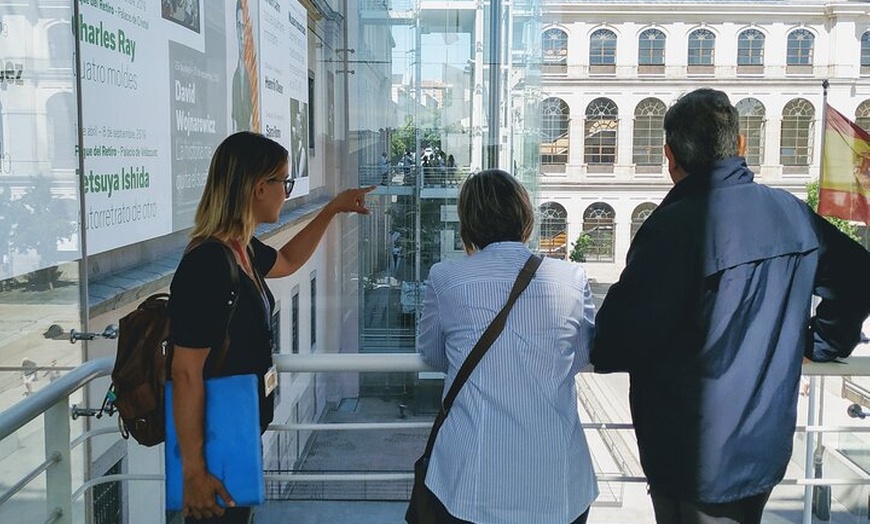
point(711, 317)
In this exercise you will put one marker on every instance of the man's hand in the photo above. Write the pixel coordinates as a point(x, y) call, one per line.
point(199, 499)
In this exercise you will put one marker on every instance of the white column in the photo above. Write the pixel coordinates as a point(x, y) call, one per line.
point(575, 135)
point(58, 476)
point(772, 170)
point(624, 138)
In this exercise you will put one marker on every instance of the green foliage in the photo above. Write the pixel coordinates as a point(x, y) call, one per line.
point(580, 248)
point(7, 222)
point(405, 137)
point(402, 139)
point(42, 220)
point(851, 230)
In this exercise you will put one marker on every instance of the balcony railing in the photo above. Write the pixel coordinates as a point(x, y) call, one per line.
point(395, 179)
point(51, 403)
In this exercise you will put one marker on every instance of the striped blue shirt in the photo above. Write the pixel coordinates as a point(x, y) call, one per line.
point(512, 449)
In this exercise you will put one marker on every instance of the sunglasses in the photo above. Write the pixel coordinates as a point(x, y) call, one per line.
point(288, 184)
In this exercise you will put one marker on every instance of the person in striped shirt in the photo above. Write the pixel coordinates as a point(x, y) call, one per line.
point(512, 450)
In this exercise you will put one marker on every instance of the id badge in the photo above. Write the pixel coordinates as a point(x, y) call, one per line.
point(270, 381)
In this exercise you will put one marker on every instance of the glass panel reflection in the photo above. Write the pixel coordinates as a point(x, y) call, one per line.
point(39, 229)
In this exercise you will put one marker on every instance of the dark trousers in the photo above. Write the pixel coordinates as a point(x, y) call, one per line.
point(443, 517)
point(674, 510)
point(231, 516)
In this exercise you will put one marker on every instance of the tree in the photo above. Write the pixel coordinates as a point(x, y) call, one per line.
point(402, 139)
point(581, 247)
point(851, 230)
point(405, 137)
point(42, 219)
point(7, 224)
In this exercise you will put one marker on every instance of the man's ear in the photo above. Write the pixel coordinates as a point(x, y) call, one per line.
point(674, 168)
point(673, 165)
point(741, 145)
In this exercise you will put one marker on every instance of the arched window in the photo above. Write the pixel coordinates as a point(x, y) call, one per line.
point(865, 52)
point(800, 48)
point(649, 135)
point(862, 115)
point(554, 230)
point(601, 129)
point(61, 118)
point(702, 43)
point(750, 48)
point(751, 120)
point(554, 46)
point(554, 131)
point(60, 45)
point(639, 216)
point(598, 222)
point(602, 48)
point(651, 48)
point(795, 148)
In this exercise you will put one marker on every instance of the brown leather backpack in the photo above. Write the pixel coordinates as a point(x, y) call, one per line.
point(142, 364)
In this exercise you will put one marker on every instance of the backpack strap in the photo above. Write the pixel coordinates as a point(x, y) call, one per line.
point(231, 301)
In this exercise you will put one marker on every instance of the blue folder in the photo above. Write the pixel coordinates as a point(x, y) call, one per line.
point(233, 451)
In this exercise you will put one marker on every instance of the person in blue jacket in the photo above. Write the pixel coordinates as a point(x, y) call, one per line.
point(713, 314)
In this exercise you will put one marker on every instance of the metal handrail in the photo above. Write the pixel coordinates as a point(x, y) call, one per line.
point(849, 366)
point(413, 362)
point(344, 362)
point(39, 402)
point(104, 479)
point(58, 392)
point(28, 478)
point(360, 426)
point(31, 407)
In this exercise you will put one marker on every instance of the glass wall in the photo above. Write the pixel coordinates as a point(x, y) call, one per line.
point(40, 243)
point(411, 96)
point(444, 89)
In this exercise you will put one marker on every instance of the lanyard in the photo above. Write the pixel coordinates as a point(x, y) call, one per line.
point(258, 281)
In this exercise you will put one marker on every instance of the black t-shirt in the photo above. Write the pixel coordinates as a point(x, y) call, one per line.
point(199, 308)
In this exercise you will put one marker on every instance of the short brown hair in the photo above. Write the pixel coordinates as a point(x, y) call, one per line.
point(494, 207)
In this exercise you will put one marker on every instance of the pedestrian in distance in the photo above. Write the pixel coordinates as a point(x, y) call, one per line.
point(246, 186)
point(52, 372)
point(395, 251)
point(711, 319)
point(384, 169)
point(29, 375)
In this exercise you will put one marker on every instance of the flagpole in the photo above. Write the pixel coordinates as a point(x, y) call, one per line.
point(822, 141)
point(814, 456)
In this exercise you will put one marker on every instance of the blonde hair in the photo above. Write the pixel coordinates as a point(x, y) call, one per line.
point(225, 210)
point(494, 207)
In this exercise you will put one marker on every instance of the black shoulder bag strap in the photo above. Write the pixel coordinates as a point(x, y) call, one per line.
point(486, 340)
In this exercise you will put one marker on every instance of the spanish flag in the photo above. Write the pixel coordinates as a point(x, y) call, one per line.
point(844, 184)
